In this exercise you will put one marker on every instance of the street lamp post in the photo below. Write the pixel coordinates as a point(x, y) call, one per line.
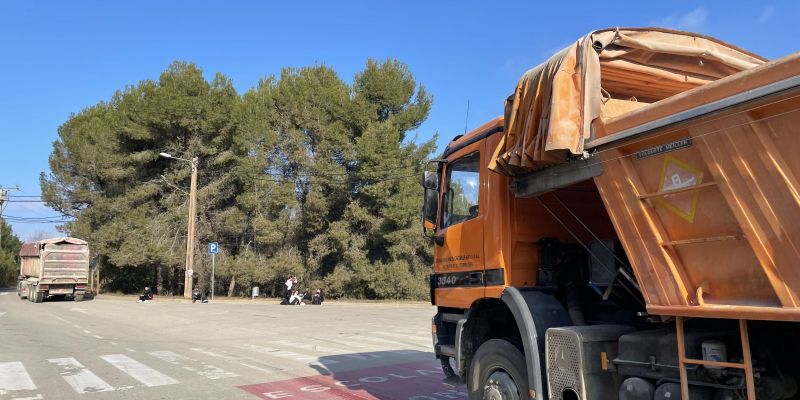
point(187, 283)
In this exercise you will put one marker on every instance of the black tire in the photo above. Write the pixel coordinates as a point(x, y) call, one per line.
point(497, 371)
point(38, 297)
point(19, 293)
point(79, 297)
point(30, 294)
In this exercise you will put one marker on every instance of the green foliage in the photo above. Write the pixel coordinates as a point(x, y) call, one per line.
point(9, 251)
point(302, 174)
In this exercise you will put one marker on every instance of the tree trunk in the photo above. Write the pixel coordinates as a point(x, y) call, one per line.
point(232, 286)
point(159, 280)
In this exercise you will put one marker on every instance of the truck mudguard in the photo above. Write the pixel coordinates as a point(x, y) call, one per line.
point(535, 312)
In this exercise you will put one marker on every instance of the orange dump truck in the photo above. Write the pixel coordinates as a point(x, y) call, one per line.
point(629, 229)
point(53, 267)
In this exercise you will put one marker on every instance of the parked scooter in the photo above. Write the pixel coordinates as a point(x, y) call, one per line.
point(197, 295)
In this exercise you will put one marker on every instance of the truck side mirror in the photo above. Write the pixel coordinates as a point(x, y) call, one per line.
point(430, 180)
point(430, 205)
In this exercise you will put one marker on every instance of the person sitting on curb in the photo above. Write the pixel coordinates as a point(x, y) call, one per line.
point(318, 298)
point(147, 295)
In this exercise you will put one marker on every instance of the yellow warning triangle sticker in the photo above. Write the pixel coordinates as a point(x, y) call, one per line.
point(676, 174)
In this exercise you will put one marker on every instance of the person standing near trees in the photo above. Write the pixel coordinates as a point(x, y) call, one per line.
point(291, 286)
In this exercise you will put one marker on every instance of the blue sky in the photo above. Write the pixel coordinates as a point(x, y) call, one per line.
point(58, 57)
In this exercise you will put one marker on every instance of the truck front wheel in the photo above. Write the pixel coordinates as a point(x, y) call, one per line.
point(497, 372)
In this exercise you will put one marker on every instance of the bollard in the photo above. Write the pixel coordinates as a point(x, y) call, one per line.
point(255, 292)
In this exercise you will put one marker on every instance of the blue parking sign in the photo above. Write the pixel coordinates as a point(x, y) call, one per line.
point(213, 248)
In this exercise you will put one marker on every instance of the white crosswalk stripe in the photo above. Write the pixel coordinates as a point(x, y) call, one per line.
point(13, 377)
point(79, 378)
point(189, 364)
point(142, 373)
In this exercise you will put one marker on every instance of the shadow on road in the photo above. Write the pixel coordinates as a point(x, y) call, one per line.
point(417, 377)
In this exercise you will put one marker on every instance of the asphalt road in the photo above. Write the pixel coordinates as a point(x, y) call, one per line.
point(116, 348)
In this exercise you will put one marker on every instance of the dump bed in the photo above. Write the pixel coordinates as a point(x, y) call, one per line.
point(59, 260)
point(703, 189)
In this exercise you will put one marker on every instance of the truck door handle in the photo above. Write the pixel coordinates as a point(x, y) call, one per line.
point(475, 278)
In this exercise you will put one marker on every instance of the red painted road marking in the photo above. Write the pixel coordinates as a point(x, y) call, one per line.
point(413, 381)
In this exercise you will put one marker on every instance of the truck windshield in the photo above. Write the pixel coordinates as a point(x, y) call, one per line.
point(461, 198)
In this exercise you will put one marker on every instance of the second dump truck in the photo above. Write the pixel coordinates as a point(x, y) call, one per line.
point(629, 229)
point(53, 267)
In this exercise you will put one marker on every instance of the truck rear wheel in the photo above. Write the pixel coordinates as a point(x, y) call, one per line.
point(79, 297)
point(38, 297)
point(497, 372)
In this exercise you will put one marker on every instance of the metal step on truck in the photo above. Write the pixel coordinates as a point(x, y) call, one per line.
point(629, 228)
point(53, 267)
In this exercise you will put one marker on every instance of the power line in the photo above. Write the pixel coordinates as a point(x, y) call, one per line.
point(333, 182)
point(367, 170)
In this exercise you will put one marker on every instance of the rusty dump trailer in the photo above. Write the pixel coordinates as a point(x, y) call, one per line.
point(53, 267)
point(635, 231)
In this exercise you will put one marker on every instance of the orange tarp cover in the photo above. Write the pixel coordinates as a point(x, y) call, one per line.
point(551, 113)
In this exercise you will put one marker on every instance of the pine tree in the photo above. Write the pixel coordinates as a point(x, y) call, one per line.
point(302, 174)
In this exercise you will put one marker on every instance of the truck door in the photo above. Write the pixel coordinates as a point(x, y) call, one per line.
point(459, 264)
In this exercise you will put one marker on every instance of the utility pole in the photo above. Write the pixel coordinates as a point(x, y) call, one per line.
point(187, 284)
point(187, 277)
point(3, 196)
point(3, 203)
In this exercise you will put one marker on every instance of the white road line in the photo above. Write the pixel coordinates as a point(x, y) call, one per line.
point(201, 368)
point(98, 337)
point(357, 345)
point(87, 332)
point(130, 349)
point(387, 342)
point(60, 319)
point(81, 379)
point(38, 397)
point(14, 377)
point(4, 293)
point(237, 360)
point(2, 313)
point(80, 310)
point(142, 373)
point(403, 336)
point(325, 349)
point(289, 355)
